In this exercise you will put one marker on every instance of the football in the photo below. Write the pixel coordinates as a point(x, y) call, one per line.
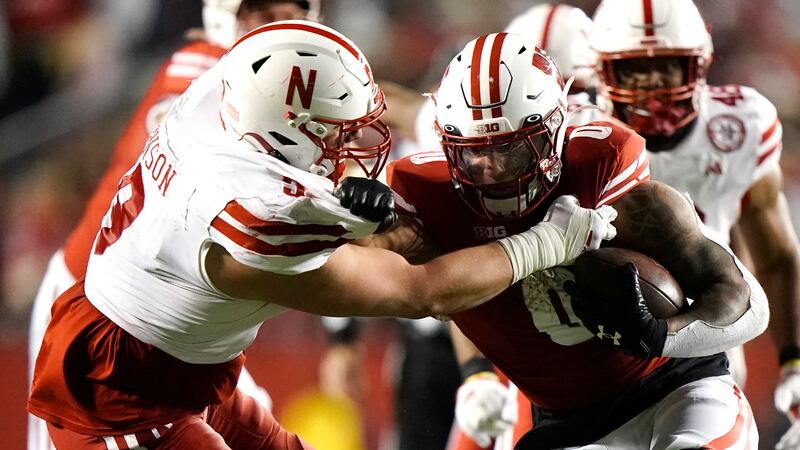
point(663, 295)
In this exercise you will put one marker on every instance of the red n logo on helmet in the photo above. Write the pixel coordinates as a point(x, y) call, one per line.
point(304, 90)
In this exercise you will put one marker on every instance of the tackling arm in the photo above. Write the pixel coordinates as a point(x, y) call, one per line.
point(729, 307)
point(358, 281)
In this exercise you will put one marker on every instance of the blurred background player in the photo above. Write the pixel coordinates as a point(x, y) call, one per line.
point(720, 144)
point(224, 22)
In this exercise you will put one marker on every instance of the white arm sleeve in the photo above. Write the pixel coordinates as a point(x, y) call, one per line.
point(702, 339)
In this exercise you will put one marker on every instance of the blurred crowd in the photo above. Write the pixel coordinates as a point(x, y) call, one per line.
point(72, 70)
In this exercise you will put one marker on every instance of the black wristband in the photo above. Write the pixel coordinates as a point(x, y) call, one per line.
point(788, 353)
point(474, 365)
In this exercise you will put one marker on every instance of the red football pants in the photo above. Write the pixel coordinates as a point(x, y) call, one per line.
point(239, 423)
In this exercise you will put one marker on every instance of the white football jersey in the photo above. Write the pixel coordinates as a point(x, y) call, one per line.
point(735, 141)
point(192, 186)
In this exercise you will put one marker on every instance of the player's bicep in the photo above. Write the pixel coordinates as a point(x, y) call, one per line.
point(657, 220)
point(354, 281)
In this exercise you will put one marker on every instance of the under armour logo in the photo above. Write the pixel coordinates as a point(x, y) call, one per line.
point(602, 334)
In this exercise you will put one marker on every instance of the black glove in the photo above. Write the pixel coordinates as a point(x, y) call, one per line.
point(369, 199)
point(626, 321)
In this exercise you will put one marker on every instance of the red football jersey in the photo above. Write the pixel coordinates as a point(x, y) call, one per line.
point(174, 76)
point(529, 331)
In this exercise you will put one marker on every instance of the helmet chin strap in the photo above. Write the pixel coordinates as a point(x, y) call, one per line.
point(321, 167)
point(562, 131)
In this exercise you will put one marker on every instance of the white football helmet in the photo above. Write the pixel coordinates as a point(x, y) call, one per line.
point(304, 93)
point(667, 36)
point(500, 108)
point(221, 24)
point(563, 32)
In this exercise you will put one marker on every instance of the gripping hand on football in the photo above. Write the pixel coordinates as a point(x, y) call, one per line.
point(787, 400)
point(485, 408)
point(623, 322)
point(369, 199)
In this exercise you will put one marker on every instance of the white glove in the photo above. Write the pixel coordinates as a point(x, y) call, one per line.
point(566, 231)
point(485, 408)
point(576, 222)
point(787, 400)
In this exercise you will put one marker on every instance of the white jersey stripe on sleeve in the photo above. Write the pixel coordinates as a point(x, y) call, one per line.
point(111, 443)
point(635, 180)
point(635, 166)
point(636, 172)
point(131, 440)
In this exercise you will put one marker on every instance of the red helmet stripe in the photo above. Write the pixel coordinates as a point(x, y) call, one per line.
point(475, 78)
point(494, 73)
point(547, 24)
point(647, 7)
point(301, 27)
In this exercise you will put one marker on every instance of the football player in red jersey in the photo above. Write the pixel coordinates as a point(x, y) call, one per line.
point(224, 22)
point(599, 371)
point(229, 218)
point(721, 144)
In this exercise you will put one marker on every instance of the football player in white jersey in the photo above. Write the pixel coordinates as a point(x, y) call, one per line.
point(224, 22)
point(227, 219)
point(720, 144)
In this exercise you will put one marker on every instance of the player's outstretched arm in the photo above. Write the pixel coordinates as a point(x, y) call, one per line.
point(365, 281)
point(730, 306)
point(359, 281)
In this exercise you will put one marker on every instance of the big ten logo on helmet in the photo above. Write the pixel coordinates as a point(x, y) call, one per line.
point(495, 232)
point(485, 128)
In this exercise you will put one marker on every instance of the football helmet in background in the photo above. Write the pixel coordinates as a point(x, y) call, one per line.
point(304, 93)
point(500, 108)
point(221, 24)
point(638, 42)
point(563, 32)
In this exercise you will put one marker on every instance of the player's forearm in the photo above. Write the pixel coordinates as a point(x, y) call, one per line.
point(707, 328)
point(464, 279)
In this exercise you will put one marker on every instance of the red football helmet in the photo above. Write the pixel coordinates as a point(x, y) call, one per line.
point(500, 111)
point(652, 59)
